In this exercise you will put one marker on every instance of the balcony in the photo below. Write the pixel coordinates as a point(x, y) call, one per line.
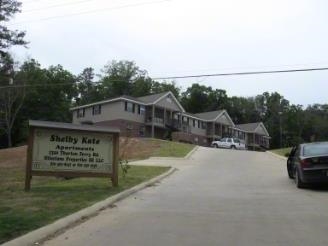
point(156, 120)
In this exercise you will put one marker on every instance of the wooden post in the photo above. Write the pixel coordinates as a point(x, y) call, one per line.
point(28, 172)
point(152, 122)
point(116, 150)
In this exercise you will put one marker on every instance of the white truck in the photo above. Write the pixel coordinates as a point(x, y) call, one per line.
point(229, 143)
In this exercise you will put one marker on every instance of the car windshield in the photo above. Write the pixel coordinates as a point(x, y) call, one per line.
point(315, 149)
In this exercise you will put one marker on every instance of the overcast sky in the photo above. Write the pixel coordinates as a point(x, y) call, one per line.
point(186, 37)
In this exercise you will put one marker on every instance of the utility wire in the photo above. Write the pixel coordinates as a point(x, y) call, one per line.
point(191, 76)
point(56, 5)
point(90, 12)
point(243, 73)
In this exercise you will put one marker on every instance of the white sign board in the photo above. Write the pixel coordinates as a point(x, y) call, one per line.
point(62, 150)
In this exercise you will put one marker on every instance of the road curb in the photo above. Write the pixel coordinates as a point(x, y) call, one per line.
point(44, 232)
point(276, 155)
point(188, 156)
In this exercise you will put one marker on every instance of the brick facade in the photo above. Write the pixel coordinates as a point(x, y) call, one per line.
point(127, 128)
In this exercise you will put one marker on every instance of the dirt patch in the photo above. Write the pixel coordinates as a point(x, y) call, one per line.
point(13, 157)
point(138, 148)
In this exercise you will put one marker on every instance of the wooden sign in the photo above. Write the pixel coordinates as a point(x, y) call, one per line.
point(70, 150)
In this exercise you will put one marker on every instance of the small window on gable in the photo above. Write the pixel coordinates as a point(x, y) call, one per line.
point(96, 109)
point(169, 98)
point(80, 113)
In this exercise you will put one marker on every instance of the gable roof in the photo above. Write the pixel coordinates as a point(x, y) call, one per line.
point(209, 115)
point(249, 127)
point(145, 100)
point(155, 98)
point(214, 115)
point(152, 98)
point(252, 127)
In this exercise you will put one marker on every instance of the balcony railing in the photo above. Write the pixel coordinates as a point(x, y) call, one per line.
point(155, 120)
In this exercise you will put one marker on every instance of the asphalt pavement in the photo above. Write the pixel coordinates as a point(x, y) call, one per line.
point(217, 197)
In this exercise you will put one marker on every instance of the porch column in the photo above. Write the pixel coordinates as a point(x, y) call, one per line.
point(164, 118)
point(152, 122)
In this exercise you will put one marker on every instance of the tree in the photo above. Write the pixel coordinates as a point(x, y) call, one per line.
point(11, 98)
point(8, 38)
point(199, 98)
point(119, 78)
point(158, 87)
point(88, 90)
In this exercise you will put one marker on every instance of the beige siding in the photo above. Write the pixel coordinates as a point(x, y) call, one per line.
point(110, 111)
point(195, 130)
point(168, 103)
point(223, 119)
point(260, 130)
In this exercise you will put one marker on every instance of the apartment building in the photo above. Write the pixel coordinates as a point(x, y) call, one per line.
point(162, 116)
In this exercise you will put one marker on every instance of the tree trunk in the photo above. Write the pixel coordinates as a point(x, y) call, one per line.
point(9, 140)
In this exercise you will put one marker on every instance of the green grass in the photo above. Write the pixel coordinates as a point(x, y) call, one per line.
point(282, 151)
point(52, 198)
point(172, 149)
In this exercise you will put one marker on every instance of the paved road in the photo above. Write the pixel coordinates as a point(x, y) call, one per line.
point(219, 197)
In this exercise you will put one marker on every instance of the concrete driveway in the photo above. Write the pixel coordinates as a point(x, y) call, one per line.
point(218, 197)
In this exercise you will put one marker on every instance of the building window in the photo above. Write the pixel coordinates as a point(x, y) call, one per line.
point(96, 109)
point(193, 123)
point(199, 123)
point(203, 125)
point(141, 109)
point(80, 113)
point(129, 107)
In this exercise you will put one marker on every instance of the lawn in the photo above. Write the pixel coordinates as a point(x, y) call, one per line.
point(53, 198)
point(282, 151)
point(142, 148)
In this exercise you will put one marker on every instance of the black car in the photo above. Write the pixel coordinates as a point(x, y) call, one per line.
point(308, 163)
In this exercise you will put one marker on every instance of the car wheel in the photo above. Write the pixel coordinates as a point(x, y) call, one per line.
point(233, 147)
point(299, 183)
point(216, 146)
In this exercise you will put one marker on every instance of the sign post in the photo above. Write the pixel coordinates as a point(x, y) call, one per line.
point(70, 150)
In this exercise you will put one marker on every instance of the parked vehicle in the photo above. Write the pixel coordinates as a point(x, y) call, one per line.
point(308, 163)
point(229, 143)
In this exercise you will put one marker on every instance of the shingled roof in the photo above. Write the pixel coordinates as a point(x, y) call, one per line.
point(209, 115)
point(146, 100)
point(249, 127)
point(152, 98)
